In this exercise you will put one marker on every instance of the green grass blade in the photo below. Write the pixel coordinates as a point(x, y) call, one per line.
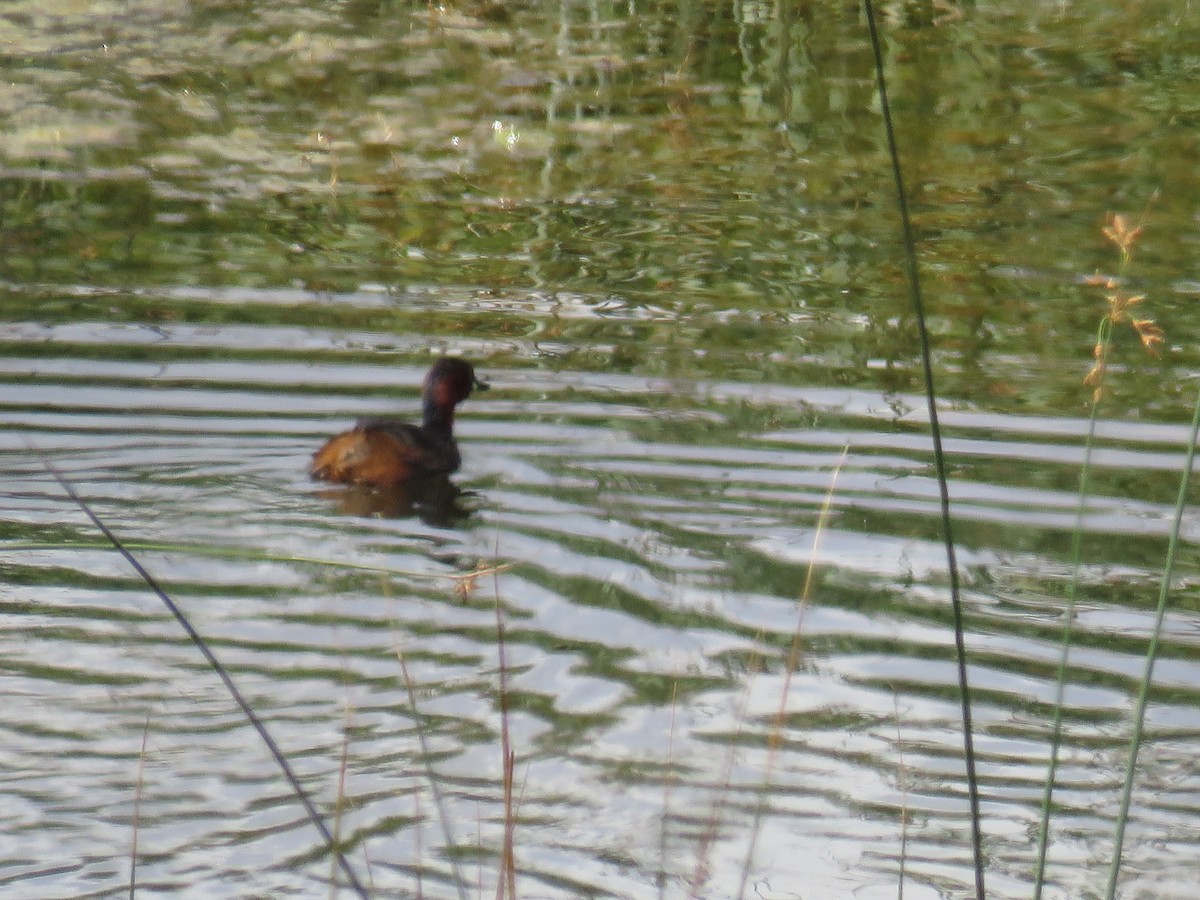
point(1060, 684)
point(1139, 720)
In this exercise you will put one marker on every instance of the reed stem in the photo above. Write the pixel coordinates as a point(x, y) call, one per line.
point(1139, 721)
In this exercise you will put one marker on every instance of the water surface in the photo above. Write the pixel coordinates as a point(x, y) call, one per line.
point(668, 237)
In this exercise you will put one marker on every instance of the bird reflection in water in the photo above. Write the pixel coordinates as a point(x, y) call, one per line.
point(435, 500)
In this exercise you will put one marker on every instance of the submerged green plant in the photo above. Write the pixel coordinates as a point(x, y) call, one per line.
point(1120, 303)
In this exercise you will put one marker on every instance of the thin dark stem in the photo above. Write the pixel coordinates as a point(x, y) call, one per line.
point(939, 457)
point(1064, 655)
point(222, 673)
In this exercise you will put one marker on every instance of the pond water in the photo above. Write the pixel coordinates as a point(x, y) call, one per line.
point(667, 235)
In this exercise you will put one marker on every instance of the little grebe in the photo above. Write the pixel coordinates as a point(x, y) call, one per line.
point(385, 452)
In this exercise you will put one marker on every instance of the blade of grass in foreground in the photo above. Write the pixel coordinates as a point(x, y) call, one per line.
point(793, 660)
point(903, 773)
point(439, 801)
point(221, 671)
point(1060, 680)
point(340, 804)
point(1120, 305)
point(226, 552)
point(507, 883)
point(137, 809)
point(939, 456)
point(668, 781)
point(1139, 720)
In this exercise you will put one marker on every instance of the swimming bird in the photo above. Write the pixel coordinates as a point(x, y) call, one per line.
point(387, 452)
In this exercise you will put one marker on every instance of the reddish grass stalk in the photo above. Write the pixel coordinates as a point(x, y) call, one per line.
point(508, 867)
point(793, 661)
